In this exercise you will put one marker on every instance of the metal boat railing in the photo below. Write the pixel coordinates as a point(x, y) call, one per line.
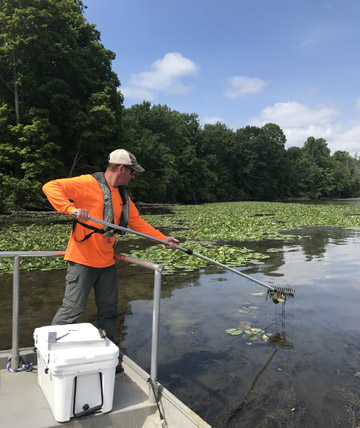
point(15, 354)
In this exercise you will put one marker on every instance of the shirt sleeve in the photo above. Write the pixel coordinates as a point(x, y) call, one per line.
point(62, 192)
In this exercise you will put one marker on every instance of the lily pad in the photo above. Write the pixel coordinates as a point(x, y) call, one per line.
point(254, 331)
point(234, 331)
point(206, 223)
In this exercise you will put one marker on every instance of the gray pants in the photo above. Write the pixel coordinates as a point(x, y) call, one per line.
point(79, 281)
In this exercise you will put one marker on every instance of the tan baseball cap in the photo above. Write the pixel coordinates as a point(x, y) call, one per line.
point(123, 157)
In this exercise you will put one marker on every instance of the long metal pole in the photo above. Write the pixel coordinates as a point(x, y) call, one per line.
point(190, 252)
point(15, 360)
point(155, 334)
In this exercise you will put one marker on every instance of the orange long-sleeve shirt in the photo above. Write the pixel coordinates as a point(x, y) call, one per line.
point(67, 194)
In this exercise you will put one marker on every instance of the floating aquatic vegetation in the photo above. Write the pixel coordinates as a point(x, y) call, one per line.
point(234, 331)
point(254, 331)
point(231, 256)
point(35, 237)
point(208, 224)
point(250, 333)
point(245, 308)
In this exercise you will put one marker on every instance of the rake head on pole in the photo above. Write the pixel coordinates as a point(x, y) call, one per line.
point(280, 294)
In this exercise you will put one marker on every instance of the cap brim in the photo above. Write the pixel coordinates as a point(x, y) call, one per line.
point(138, 168)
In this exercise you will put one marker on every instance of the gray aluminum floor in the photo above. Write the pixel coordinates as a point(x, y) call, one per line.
point(23, 404)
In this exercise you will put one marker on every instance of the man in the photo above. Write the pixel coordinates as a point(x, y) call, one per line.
point(90, 253)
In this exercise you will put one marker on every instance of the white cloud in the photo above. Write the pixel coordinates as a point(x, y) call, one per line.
point(165, 76)
point(299, 122)
point(211, 120)
point(345, 137)
point(295, 115)
point(137, 93)
point(238, 86)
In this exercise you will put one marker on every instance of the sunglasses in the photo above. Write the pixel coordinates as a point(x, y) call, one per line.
point(130, 168)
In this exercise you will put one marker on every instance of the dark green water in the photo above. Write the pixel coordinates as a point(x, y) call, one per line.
point(308, 378)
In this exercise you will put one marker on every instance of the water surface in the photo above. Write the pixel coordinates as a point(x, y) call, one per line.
point(307, 378)
point(306, 375)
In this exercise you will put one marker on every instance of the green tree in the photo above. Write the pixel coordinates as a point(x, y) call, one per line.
point(346, 171)
point(320, 181)
point(165, 143)
point(298, 166)
point(317, 152)
point(217, 149)
point(59, 104)
point(265, 169)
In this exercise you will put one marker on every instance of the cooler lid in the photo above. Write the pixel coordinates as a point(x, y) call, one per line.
point(72, 344)
point(62, 336)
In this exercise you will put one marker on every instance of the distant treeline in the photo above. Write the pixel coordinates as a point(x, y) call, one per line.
point(61, 113)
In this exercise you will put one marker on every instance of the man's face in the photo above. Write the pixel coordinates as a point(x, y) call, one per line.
point(125, 174)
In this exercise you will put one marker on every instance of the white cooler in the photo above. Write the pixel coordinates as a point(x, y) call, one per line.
point(76, 369)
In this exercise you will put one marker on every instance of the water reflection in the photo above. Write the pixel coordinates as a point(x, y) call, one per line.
point(278, 341)
point(308, 377)
point(305, 374)
point(41, 294)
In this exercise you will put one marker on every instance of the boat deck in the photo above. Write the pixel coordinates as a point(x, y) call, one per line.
point(23, 404)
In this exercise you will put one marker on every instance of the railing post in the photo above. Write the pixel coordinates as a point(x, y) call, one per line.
point(14, 353)
point(155, 334)
point(15, 360)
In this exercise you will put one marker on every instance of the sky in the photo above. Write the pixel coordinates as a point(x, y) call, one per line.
point(295, 63)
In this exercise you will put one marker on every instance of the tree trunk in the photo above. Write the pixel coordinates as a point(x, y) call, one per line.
point(75, 161)
point(16, 93)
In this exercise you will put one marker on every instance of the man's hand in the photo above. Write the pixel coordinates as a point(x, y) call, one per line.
point(81, 214)
point(172, 242)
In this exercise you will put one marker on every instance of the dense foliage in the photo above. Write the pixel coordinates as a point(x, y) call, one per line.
point(60, 110)
point(61, 113)
point(189, 164)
